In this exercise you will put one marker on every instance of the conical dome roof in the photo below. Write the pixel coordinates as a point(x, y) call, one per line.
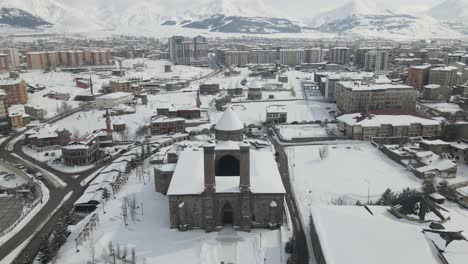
point(229, 121)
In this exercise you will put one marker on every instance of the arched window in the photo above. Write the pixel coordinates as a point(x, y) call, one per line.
point(228, 166)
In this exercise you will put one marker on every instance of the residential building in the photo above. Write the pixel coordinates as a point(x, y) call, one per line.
point(376, 61)
point(326, 81)
point(3, 62)
point(263, 56)
point(46, 135)
point(444, 76)
point(113, 99)
point(81, 152)
point(385, 123)
point(37, 60)
point(459, 150)
point(127, 86)
point(35, 111)
point(200, 51)
point(435, 92)
point(360, 56)
point(161, 125)
point(13, 58)
point(313, 55)
point(340, 55)
point(418, 76)
point(292, 57)
point(276, 114)
point(15, 89)
point(173, 44)
point(236, 58)
point(209, 88)
point(5, 121)
point(361, 96)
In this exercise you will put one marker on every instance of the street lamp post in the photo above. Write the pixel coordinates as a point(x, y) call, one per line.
point(368, 190)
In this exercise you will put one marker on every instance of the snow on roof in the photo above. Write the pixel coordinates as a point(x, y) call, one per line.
point(444, 107)
point(114, 95)
point(447, 68)
point(229, 121)
point(188, 177)
point(459, 145)
point(375, 120)
point(44, 131)
point(227, 145)
point(421, 67)
point(435, 142)
point(363, 86)
point(374, 239)
point(432, 86)
point(276, 109)
point(254, 85)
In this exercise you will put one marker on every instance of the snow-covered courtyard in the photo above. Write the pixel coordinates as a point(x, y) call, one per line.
point(155, 242)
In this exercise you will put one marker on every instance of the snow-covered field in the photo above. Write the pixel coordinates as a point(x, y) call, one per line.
point(304, 131)
point(349, 171)
point(155, 242)
point(63, 82)
point(255, 113)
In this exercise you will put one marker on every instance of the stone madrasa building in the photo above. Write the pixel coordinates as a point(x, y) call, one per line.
point(226, 183)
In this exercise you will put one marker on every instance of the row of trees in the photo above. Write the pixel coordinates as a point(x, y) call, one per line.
point(50, 245)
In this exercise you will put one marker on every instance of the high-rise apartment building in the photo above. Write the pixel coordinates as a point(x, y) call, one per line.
point(443, 76)
point(418, 76)
point(292, 57)
point(360, 56)
point(376, 61)
point(340, 55)
point(263, 56)
point(313, 55)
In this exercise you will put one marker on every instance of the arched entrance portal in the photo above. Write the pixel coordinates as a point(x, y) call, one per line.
point(227, 214)
point(228, 166)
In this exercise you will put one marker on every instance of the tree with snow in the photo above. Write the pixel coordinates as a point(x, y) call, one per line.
point(388, 198)
point(428, 186)
point(45, 251)
point(105, 194)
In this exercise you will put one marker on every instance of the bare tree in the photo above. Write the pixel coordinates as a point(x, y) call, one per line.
point(323, 152)
point(133, 256)
point(91, 248)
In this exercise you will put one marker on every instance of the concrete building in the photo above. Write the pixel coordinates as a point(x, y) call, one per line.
point(200, 51)
point(3, 62)
point(45, 135)
point(173, 44)
point(16, 90)
point(418, 76)
point(263, 56)
point(376, 61)
point(108, 101)
point(161, 125)
point(459, 150)
point(384, 123)
point(340, 55)
point(126, 86)
point(435, 92)
point(35, 111)
point(326, 81)
point(37, 60)
point(361, 96)
point(12, 59)
point(236, 58)
point(5, 121)
point(81, 152)
point(227, 184)
point(313, 55)
point(360, 56)
point(292, 57)
point(209, 88)
point(276, 114)
point(444, 76)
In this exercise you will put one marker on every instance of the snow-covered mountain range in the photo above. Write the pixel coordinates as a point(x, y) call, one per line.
point(14, 17)
point(357, 17)
point(365, 17)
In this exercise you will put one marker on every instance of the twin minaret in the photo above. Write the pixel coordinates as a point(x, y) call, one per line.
point(210, 167)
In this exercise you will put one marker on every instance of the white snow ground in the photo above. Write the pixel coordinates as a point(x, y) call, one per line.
point(155, 242)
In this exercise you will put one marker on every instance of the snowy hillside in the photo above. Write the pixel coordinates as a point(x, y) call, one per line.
point(18, 18)
point(454, 10)
point(366, 18)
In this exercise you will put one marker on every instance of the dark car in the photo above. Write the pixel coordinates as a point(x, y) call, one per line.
point(290, 247)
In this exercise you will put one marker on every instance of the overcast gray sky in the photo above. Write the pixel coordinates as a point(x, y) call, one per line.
point(305, 7)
